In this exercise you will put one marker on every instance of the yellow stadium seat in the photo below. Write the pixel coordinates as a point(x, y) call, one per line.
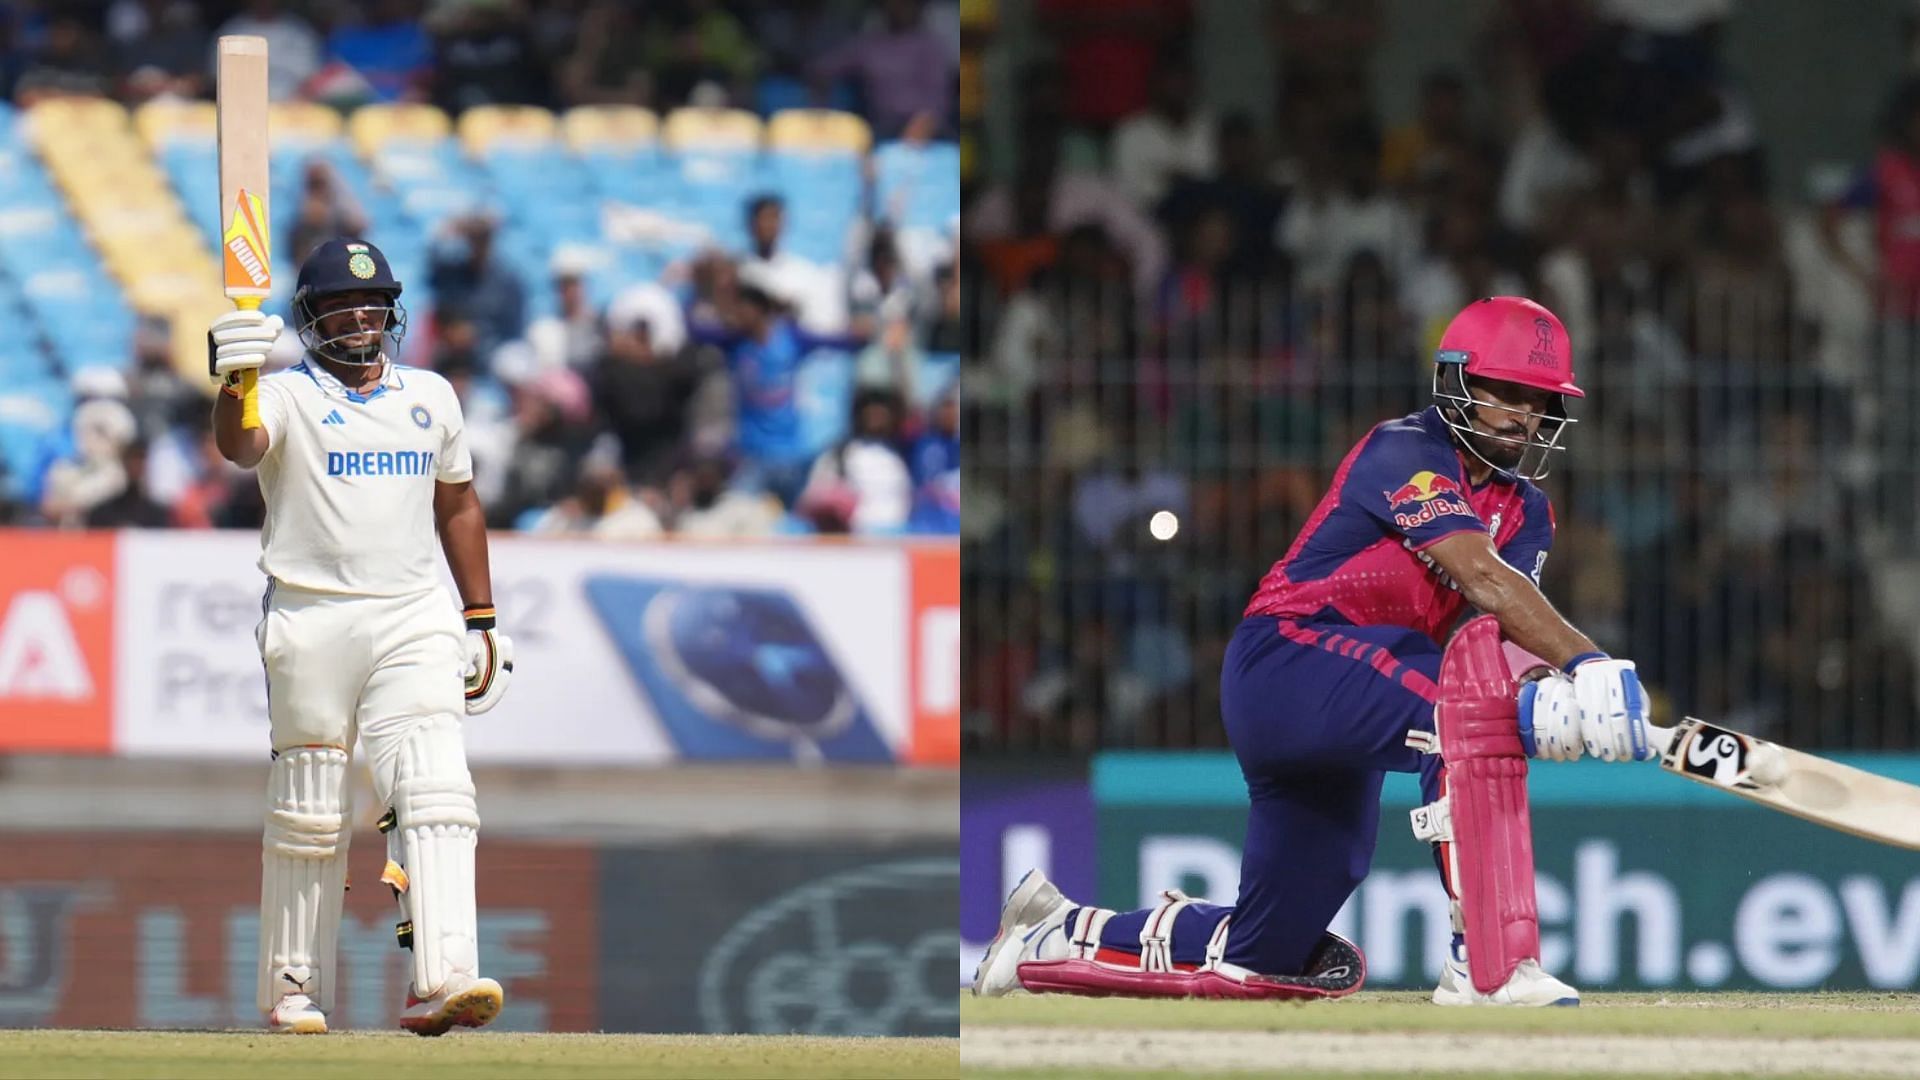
point(62, 115)
point(827, 130)
point(485, 125)
point(609, 127)
point(373, 126)
point(712, 129)
point(163, 122)
point(302, 122)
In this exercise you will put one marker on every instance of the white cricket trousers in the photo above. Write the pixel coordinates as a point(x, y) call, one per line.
point(373, 666)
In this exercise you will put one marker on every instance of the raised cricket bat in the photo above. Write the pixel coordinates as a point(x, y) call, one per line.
point(1826, 792)
point(246, 241)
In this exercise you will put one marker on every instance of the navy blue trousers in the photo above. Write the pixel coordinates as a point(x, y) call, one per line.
point(1318, 714)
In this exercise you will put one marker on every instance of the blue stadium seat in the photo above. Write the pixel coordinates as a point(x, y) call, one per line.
point(937, 373)
point(917, 186)
point(30, 410)
point(823, 395)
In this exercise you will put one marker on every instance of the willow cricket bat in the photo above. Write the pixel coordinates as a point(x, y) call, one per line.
point(1824, 792)
point(246, 242)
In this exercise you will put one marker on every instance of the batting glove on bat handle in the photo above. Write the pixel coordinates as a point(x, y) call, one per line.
point(240, 340)
point(1613, 709)
point(489, 661)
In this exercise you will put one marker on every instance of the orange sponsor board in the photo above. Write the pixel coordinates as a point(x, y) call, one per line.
point(56, 641)
point(934, 659)
point(160, 930)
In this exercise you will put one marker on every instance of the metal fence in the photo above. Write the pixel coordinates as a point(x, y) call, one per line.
point(1736, 511)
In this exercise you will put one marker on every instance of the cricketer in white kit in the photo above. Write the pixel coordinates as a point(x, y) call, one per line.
point(362, 463)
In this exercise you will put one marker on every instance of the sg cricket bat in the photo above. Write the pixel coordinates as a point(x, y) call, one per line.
point(1825, 792)
point(246, 242)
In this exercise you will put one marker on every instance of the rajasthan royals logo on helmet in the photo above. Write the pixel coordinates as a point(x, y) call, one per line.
point(422, 419)
point(1542, 354)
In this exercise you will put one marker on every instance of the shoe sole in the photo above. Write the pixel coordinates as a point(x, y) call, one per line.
point(306, 1025)
point(471, 1008)
point(1031, 887)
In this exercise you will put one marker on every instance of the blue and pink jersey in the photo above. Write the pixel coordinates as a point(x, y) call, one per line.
point(1361, 557)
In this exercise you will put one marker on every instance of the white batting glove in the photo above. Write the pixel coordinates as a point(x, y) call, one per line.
point(489, 661)
point(1550, 719)
point(1613, 708)
point(239, 340)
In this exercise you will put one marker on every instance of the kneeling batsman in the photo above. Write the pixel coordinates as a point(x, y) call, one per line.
point(1498, 706)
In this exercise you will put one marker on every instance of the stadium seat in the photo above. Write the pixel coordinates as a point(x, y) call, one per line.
point(818, 130)
point(29, 410)
point(162, 122)
point(823, 396)
point(609, 127)
point(75, 114)
point(302, 123)
point(721, 130)
point(917, 185)
point(373, 126)
point(938, 372)
point(484, 126)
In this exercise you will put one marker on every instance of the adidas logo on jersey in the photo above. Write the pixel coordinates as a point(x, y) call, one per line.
point(334, 417)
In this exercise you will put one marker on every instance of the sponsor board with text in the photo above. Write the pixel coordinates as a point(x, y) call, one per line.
point(1642, 885)
point(142, 643)
point(56, 641)
point(812, 939)
point(160, 931)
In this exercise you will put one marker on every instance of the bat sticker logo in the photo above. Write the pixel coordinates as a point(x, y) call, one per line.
point(245, 243)
point(1719, 756)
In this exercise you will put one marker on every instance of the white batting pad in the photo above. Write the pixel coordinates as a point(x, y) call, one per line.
point(303, 863)
point(436, 829)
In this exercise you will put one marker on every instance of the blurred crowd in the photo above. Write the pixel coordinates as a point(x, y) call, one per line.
point(891, 61)
point(680, 406)
point(1197, 313)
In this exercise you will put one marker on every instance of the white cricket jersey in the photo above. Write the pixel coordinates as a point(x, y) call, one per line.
point(349, 479)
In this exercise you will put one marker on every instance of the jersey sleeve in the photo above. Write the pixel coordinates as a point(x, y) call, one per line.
point(1411, 485)
point(456, 463)
point(272, 399)
point(1527, 550)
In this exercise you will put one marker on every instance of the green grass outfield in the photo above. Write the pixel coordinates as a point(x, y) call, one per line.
point(248, 1055)
point(1858, 1015)
point(1380, 1035)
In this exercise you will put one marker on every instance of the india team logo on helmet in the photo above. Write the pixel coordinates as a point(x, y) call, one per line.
point(1509, 339)
point(341, 265)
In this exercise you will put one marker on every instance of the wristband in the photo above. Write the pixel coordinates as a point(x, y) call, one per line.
point(230, 386)
point(479, 616)
point(1583, 658)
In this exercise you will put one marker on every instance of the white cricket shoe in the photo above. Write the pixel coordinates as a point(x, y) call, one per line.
point(296, 1014)
point(1529, 985)
point(465, 1001)
point(1034, 908)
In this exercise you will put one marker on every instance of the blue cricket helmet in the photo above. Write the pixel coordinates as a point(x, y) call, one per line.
point(345, 265)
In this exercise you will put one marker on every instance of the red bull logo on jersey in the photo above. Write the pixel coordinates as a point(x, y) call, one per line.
point(1434, 496)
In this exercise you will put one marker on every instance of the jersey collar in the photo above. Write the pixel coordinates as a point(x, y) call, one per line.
point(390, 379)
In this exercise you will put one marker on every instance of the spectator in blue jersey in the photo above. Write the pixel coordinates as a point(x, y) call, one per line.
point(935, 461)
point(764, 349)
point(390, 50)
